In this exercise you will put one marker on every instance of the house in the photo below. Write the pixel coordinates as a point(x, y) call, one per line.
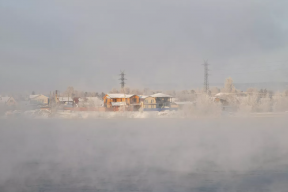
point(66, 100)
point(115, 101)
point(142, 97)
point(158, 102)
point(150, 103)
point(9, 101)
point(38, 99)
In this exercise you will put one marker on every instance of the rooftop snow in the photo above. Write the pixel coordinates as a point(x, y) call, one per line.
point(160, 95)
point(143, 96)
point(118, 95)
point(4, 99)
point(33, 96)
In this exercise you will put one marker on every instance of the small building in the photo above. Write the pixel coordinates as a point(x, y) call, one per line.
point(158, 102)
point(8, 101)
point(142, 97)
point(149, 103)
point(38, 99)
point(66, 100)
point(115, 101)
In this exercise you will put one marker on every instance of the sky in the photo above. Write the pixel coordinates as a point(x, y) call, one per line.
point(161, 44)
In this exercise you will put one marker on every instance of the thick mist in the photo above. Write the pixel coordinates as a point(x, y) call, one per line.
point(161, 44)
point(211, 155)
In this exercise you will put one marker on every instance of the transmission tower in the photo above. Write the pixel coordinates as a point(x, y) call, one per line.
point(206, 75)
point(122, 82)
point(122, 79)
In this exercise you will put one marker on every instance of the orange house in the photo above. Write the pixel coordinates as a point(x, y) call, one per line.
point(115, 101)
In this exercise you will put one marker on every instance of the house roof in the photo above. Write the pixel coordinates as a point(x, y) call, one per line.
point(118, 95)
point(4, 99)
point(34, 96)
point(160, 95)
point(143, 96)
point(117, 104)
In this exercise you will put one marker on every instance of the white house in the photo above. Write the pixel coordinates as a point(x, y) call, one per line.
point(10, 101)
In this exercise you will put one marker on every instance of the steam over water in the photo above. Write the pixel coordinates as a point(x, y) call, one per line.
point(159, 155)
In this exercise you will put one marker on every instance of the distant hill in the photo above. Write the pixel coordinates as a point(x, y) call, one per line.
point(273, 86)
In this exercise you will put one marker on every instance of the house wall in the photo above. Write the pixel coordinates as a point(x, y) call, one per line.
point(132, 100)
point(149, 102)
point(159, 102)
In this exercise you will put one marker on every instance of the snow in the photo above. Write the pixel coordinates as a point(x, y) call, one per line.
point(66, 99)
point(4, 99)
point(94, 99)
point(185, 103)
point(222, 95)
point(160, 95)
point(91, 101)
point(33, 96)
point(117, 104)
point(143, 96)
point(118, 95)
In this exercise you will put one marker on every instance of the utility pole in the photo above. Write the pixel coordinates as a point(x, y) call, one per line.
point(122, 82)
point(206, 75)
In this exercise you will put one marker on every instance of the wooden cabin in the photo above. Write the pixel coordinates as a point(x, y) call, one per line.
point(115, 101)
point(150, 102)
point(158, 102)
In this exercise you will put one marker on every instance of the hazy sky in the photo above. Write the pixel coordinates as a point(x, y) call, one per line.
point(48, 45)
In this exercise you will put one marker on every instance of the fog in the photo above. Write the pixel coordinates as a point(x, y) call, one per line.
point(161, 44)
point(223, 139)
point(211, 154)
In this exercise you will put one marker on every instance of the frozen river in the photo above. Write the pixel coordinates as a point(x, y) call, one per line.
point(207, 155)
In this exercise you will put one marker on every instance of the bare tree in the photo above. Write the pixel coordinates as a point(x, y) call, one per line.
point(229, 86)
point(114, 90)
point(127, 90)
point(214, 90)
